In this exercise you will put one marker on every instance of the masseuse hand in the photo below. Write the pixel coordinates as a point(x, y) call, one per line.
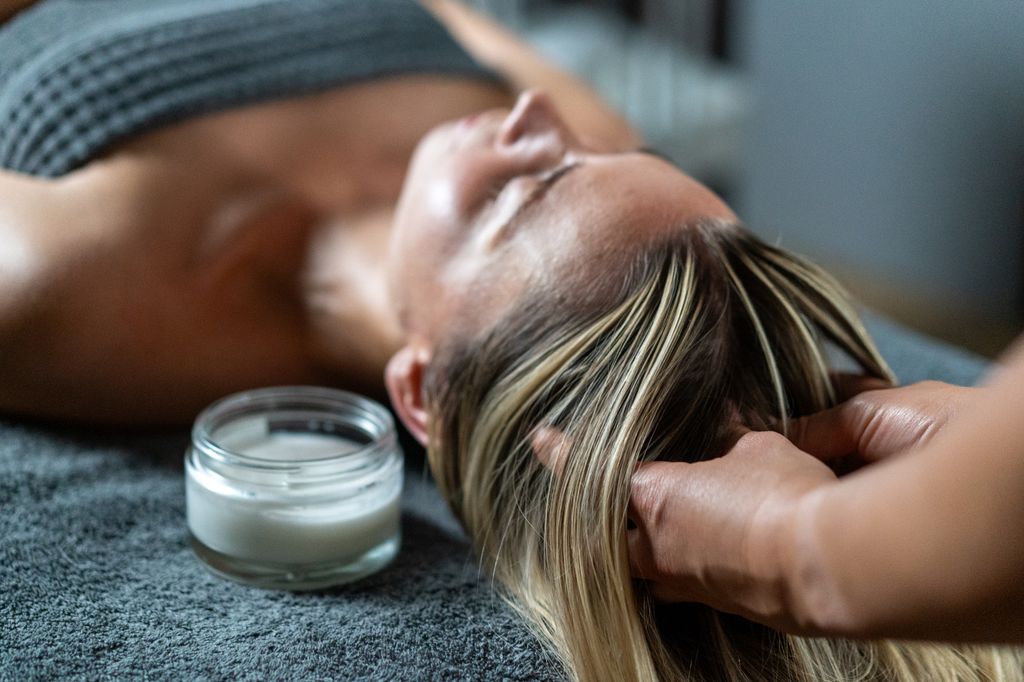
point(877, 421)
point(715, 531)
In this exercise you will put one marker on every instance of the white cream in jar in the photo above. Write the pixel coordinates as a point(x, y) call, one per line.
point(294, 487)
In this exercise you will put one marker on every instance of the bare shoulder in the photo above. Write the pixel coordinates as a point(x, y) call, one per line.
point(28, 206)
point(28, 209)
point(48, 226)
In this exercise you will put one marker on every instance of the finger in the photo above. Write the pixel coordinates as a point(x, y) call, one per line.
point(550, 447)
point(828, 435)
point(848, 384)
point(642, 567)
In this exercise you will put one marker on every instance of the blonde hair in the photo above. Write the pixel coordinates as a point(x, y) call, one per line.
point(709, 329)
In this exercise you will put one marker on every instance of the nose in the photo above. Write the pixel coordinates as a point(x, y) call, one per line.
point(533, 115)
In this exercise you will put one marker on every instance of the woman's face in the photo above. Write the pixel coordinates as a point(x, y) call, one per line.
point(504, 199)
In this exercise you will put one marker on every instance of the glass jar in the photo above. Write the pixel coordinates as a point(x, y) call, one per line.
point(294, 487)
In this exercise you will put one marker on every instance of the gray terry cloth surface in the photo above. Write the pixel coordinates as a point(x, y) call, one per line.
point(97, 580)
point(79, 75)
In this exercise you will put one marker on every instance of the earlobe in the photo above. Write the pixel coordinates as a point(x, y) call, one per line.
point(404, 379)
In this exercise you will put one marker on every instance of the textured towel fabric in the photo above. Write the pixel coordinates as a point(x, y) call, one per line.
point(77, 75)
point(97, 580)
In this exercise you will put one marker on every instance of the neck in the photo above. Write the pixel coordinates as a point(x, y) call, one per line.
point(353, 327)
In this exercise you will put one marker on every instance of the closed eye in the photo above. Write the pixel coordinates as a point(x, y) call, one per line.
point(549, 180)
point(543, 185)
point(544, 181)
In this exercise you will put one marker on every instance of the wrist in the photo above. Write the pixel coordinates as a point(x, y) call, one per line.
point(768, 562)
point(813, 602)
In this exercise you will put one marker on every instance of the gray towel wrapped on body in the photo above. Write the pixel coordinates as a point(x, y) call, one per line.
point(79, 75)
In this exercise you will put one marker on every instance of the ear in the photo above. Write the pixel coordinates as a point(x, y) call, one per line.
point(550, 447)
point(404, 379)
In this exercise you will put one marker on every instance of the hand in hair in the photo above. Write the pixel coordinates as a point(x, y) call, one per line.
point(874, 424)
point(924, 545)
point(711, 531)
point(688, 553)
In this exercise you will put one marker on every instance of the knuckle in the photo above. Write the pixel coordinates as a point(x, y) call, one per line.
point(932, 384)
point(761, 440)
point(926, 430)
point(864, 411)
point(864, 402)
point(647, 497)
point(873, 423)
point(655, 508)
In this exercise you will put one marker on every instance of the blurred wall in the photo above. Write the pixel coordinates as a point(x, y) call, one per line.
point(887, 142)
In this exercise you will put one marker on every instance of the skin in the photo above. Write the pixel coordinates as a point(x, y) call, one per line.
point(473, 231)
point(235, 249)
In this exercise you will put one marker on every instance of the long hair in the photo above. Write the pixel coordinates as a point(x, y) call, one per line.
point(707, 331)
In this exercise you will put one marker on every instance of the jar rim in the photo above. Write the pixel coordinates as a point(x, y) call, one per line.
point(375, 423)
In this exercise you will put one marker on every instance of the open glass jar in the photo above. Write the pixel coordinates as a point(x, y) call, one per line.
point(294, 487)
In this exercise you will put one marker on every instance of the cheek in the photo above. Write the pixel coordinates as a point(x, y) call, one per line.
point(440, 204)
point(424, 221)
point(425, 247)
point(437, 200)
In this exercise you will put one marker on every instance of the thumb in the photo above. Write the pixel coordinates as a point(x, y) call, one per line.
point(550, 447)
point(836, 432)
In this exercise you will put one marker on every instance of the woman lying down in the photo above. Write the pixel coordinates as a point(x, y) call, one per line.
point(548, 299)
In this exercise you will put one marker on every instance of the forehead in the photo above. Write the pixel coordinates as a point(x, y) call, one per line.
point(612, 207)
point(574, 244)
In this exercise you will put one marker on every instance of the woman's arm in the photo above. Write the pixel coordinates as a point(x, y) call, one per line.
point(926, 545)
point(498, 48)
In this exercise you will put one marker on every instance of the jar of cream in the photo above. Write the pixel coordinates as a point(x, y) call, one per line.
point(294, 487)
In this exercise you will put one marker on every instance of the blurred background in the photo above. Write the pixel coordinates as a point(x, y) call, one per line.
point(884, 140)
